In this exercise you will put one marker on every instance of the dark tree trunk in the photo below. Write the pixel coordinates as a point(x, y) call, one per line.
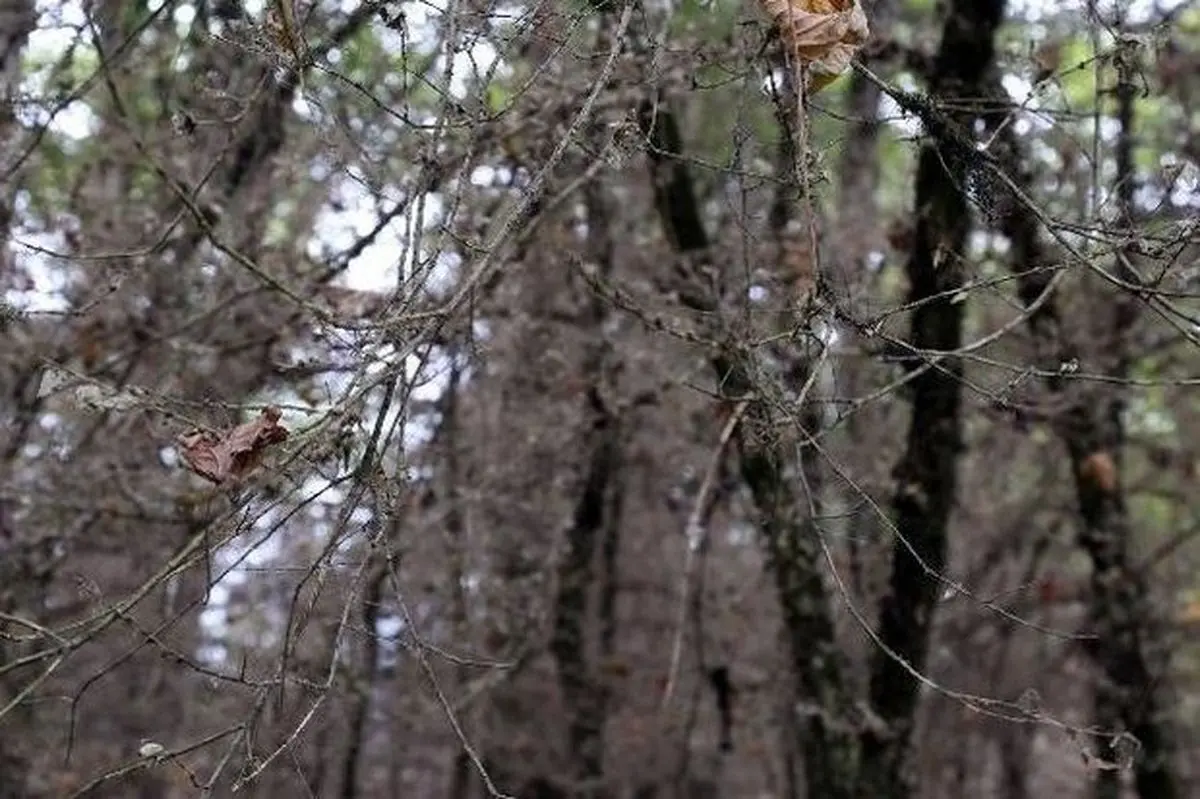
point(767, 464)
point(361, 709)
point(22, 576)
point(583, 695)
point(1129, 647)
point(447, 442)
point(926, 475)
point(586, 601)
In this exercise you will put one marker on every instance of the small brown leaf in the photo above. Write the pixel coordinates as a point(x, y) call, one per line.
point(1047, 58)
point(822, 34)
point(234, 453)
point(199, 452)
point(1100, 471)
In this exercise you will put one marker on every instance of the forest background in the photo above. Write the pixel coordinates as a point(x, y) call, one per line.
point(560, 400)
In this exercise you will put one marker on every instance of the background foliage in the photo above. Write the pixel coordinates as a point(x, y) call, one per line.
point(649, 433)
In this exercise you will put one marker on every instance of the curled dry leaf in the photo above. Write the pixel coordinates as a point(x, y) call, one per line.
point(234, 453)
point(1100, 471)
point(822, 34)
point(1047, 59)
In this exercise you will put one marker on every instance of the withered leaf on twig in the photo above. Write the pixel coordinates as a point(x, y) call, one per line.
point(1100, 471)
point(234, 453)
point(822, 34)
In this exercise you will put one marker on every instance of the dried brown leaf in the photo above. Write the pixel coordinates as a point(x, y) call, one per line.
point(234, 453)
point(1100, 470)
point(825, 35)
point(1047, 59)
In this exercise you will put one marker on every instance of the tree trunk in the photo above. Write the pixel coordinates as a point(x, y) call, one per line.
point(767, 466)
point(1129, 647)
point(585, 604)
point(927, 473)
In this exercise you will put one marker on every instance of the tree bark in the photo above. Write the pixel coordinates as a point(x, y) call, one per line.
point(1129, 648)
point(586, 600)
point(927, 473)
point(595, 514)
point(19, 557)
point(767, 467)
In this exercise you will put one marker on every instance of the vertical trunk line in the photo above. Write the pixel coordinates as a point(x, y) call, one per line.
point(792, 548)
point(587, 578)
point(926, 476)
point(1128, 636)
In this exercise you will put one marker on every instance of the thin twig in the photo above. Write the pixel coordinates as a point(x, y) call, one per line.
point(696, 536)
